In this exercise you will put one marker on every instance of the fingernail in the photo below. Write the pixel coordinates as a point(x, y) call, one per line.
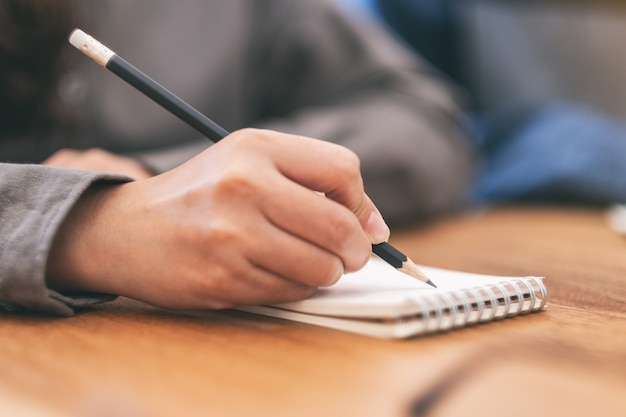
point(377, 229)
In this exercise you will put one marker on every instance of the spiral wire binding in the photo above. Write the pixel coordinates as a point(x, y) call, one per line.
point(449, 310)
point(544, 293)
point(493, 302)
point(480, 304)
point(452, 310)
point(507, 300)
point(439, 311)
point(520, 297)
point(467, 307)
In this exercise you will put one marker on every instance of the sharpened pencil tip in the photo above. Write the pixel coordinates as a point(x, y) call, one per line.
point(400, 261)
point(409, 268)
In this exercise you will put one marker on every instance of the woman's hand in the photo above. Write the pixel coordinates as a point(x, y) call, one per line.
point(260, 217)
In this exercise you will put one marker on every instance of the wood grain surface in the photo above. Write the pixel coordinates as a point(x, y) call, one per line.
point(126, 358)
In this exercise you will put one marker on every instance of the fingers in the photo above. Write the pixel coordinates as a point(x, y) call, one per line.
point(327, 168)
point(250, 285)
point(320, 223)
point(295, 259)
point(241, 229)
point(241, 263)
point(261, 287)
point(335, 171)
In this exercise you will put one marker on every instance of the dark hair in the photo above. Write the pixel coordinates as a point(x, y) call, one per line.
point(32, 35)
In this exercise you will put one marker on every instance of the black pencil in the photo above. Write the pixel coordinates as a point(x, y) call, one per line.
point(400, 261)
point(207, 127)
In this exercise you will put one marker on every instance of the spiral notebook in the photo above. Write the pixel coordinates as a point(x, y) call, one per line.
point(382, 302)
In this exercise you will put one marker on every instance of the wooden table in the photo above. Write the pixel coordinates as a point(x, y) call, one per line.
point(130, 359)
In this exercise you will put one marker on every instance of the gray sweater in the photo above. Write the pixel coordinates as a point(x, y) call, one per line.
point(290, 65)
point(537, 51)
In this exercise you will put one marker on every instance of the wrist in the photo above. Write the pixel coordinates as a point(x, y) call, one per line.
point(78, 254)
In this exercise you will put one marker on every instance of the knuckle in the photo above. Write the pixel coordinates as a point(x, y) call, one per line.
point(348, 164)
point(350, 242)
point(343, 225)
point(335, 271)
point(222, 233)
point(234, 183)
point(250, 137)
point(359, 259)
point(214, 233)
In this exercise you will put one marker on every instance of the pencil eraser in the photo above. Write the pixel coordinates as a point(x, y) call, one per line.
point(90, 47)
point(78, 37)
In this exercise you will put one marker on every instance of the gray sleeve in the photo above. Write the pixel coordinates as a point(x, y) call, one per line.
point(34, 201)
point(354, 85)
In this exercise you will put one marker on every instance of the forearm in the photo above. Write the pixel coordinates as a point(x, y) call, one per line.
point(35, 201)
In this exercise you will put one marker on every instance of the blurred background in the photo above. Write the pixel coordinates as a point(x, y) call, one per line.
point(547, 87)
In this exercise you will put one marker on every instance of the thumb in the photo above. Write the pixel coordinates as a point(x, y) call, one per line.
point(371, 220)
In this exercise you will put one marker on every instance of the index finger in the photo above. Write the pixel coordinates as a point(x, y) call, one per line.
point(327, 168)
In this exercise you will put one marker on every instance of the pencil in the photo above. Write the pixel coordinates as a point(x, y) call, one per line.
point(127, 72)
point(207, 127)
point(400, 261)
